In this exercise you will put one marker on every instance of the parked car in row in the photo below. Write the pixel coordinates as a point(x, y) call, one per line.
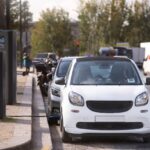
point(135, 53)
point(104, 96)
point(44, 63)
point(42, 57)
point(54, 89)
point(118, 51)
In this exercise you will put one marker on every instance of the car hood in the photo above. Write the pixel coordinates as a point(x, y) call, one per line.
point(109, 92)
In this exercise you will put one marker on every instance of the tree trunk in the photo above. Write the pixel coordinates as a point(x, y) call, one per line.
point(2, 15)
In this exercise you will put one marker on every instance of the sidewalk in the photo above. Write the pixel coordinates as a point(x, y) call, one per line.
point(16, 128)
point(41, 133)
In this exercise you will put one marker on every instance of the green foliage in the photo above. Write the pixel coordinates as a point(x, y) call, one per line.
point(26, 15)
point(139, 23)
point(88, 26)
point(52, 32)
point(2, 12)
point(117, 19)
point(15, 14)
point(107, 22)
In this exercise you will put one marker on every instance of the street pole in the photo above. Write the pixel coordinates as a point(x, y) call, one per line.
point(21, 51)
point(2, 101)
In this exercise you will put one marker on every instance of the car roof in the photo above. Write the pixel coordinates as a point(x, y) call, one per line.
point(102, 58)
point(68, 57)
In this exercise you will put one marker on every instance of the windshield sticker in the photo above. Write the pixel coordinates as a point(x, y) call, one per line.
point(131, 80)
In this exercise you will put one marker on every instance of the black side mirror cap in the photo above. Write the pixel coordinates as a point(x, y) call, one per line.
point(60, 81)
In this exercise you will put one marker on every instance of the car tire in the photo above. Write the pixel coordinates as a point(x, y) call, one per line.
point(49, 112)
point(51, 108)
point(146, 139)
point(66, 138)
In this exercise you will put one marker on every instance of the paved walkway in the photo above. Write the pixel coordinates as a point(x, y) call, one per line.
point(41, 134)
point(7, 125)
point(16, 127)
point(22, 130)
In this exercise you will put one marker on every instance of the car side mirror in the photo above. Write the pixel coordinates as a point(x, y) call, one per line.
point(148, 81)
point(60, 81)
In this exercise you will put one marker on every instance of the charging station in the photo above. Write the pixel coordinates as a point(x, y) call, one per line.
point(7, 70)
point(3, 79)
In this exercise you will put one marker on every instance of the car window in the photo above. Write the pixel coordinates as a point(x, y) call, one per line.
point(68, 72)
point(105, 72)
point(62, 68)
point(52, 56)
point(44, 55)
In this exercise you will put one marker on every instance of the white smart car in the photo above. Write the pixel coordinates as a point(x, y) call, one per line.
point(104, 95)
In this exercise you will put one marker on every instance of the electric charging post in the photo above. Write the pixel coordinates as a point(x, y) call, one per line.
point(3, 81)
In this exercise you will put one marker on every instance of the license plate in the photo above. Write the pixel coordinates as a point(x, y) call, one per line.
point(109, 118)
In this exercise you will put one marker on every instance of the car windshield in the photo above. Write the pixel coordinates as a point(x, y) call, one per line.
point(105, 72)
point(62, 68)
point(44, 55)
point(52, 56)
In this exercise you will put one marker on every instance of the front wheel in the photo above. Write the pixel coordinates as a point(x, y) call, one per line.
point(66, 138)
point(146, 139)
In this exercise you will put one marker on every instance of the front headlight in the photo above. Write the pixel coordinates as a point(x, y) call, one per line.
point(76, 99)
point(141, 99)
point(55, 92)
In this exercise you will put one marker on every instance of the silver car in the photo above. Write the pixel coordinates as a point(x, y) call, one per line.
point(54, 89)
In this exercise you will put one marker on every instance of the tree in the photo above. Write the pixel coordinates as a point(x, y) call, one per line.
point(15, 14)
point(2, 14)
point(104, 23)
point(26, 15)
point(97, 24)
point(117, 21)
point(88, 26)
point(52, 32)
point(104, 26)
point(138, 23)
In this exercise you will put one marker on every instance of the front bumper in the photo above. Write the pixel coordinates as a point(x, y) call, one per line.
point(84, 121)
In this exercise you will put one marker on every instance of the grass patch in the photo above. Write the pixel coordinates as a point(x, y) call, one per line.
point(20, 93)
point(8, 119)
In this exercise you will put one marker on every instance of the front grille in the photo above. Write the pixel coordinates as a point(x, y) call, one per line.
point(109, 106)
point(109, 125)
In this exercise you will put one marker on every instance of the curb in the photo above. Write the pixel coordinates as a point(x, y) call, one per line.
point(40, 132)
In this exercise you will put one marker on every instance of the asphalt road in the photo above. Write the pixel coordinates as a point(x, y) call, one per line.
point(97, 143)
